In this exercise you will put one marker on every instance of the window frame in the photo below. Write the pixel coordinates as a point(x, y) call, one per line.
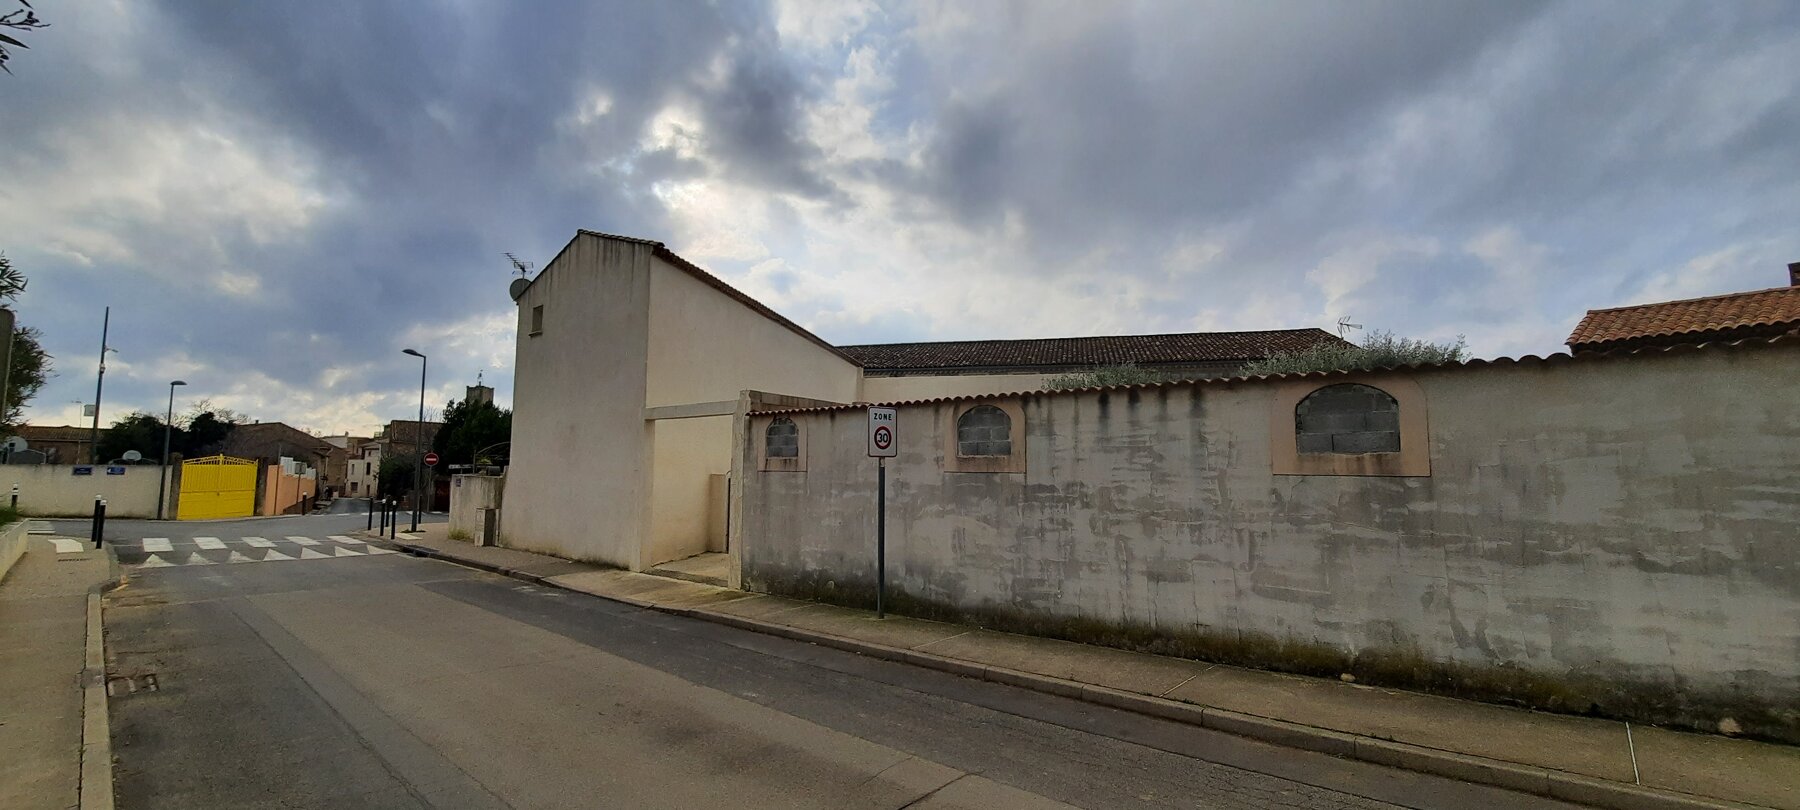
point(767, 463)
point(1413, 459)
point(954, 461)
point(537, 321)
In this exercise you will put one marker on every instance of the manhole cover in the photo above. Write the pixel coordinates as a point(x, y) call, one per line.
point(131, 684)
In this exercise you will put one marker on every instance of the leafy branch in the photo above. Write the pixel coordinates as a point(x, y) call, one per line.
point(19, 19)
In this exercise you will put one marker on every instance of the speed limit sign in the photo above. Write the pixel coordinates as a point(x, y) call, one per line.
point(882, 442)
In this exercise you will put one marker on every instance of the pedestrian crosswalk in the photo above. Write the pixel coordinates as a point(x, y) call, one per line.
point(163, 552)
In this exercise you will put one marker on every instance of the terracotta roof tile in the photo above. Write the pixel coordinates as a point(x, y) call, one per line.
point(1789, 342)
point(1187, 347)
point(1771, 307)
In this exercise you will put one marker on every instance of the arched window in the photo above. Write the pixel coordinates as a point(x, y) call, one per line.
point(1347, 419)
point(983, 430)
point(783, 439)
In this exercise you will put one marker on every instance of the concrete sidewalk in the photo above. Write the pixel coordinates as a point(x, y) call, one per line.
point(1586, 760)
point(48, 678)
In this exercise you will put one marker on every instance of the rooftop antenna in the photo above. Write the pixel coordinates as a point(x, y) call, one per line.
point(520, 265)
point(478, 376)
point(523, 282)
point(1344, 327)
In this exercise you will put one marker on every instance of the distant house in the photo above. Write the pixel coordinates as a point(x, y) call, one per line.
point(61, 444)
point(1734, 316)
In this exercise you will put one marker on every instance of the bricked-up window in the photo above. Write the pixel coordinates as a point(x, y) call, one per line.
point(1348, 419)
point(783, 439)
point(984, 430)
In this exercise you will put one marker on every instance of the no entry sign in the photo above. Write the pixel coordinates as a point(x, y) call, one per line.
point(431, 459)
point(883, 442)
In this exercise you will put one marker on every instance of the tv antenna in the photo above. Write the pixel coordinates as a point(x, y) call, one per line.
point(1344, 326)
point(523, 267)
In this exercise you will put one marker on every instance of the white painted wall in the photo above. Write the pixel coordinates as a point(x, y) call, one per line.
point(470, 496)
point(579, 480)
point(1626, 524)
point(53, 490)
point(705, 346)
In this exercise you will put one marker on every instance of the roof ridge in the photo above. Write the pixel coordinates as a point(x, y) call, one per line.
point(1789, 340)
point(1085, 337)
point(1695, 300)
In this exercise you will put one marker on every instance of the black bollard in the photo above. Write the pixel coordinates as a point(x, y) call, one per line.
point(99, 522)
point(371, 525)
point(383, 518)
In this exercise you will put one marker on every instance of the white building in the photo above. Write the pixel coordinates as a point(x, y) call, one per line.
point(634, 368)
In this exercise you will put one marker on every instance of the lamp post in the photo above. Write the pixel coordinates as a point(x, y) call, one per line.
point(419, 441)
point(162, 494)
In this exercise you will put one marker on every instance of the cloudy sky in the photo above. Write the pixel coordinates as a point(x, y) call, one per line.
point(276, 198)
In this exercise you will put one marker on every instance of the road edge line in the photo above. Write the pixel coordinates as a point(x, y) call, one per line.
point(1529, 779)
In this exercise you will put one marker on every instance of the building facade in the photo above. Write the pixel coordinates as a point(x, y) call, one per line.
point(635, 369)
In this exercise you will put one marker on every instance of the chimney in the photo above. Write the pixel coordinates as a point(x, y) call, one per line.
point(1794, 274)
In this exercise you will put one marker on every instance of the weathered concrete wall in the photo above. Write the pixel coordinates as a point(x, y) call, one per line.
point(53, 490)
point(1620, 532)
point(470, 497)
point(580, 445)
point(13, 539)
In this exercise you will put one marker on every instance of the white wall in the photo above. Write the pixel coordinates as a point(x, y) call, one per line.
point(1615, 530)
point(579, 478)
point(705, 346)
point(53, 490)
point(470, 495)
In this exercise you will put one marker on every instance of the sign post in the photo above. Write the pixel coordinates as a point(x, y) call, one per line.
point(882, 446)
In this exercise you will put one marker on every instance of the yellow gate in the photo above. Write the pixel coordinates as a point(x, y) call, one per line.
point(217, 487)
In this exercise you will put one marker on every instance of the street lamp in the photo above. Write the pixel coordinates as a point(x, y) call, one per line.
point(162, 495)
point(419, 441)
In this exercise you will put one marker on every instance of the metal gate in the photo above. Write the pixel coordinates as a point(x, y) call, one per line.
point(217, 487)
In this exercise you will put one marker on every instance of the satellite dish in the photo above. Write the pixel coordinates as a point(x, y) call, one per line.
point(14, 444)
point(133, 455)
point(518, 287)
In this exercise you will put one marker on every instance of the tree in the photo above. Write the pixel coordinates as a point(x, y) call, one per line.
point(19, 19)
point(205, 435)
point(395, 477)
point(138, 431)
point(470, 427)
point(30, 363)
point(1381, 349)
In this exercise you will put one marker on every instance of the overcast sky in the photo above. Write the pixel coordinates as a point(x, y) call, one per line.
point(276, 198)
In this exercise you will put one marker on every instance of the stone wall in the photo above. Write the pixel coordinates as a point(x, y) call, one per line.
point(1618, 535)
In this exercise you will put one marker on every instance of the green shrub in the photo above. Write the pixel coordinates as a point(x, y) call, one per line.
point(1105, 376)
point(461, 534)
point(1380, 349)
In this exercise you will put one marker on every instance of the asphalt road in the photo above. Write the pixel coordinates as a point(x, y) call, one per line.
point(374, 680)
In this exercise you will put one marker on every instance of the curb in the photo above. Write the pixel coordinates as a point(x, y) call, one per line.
point(96, 789)
point(1462, 767)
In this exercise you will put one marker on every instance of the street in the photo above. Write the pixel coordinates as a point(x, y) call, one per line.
point(345, 677)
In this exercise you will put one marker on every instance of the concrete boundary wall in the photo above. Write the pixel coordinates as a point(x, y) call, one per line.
point(13, 539)
point(53, 490)
point(1619, 536)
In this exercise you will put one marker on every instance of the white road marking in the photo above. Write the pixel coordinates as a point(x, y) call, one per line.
point(258, 542)
point(195, 559)
point(66, 545)
point(239, 558)
point(343, 538)
point(311, 554)
point(155, 562)
point(305, 541)
point(211, 543)
point(344, 552)
point(275, 556)
point(380, 550)
point(157, 544)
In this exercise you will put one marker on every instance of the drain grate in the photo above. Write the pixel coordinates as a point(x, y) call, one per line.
point(131, 684)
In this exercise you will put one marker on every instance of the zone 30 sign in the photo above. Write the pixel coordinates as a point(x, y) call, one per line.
point(882, 442)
